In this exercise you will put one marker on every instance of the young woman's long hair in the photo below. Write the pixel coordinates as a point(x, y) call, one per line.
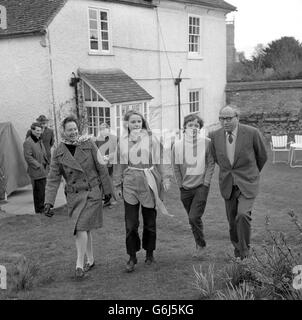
point(127, 116)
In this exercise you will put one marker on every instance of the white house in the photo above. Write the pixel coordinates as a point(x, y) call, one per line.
point(108, 56)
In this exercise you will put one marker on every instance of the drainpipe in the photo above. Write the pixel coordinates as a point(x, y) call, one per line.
point(159, 68)
point(177, 83)
point(52, 87)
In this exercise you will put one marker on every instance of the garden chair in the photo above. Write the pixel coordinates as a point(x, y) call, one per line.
point(280, 144)
point(295, 146)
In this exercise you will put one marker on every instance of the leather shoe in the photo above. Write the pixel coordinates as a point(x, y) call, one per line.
point(88, 266)
point(130, 265)
point(80, 274)
point(149, 261)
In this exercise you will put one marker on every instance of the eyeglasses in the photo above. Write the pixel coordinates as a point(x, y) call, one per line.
point(228, 119)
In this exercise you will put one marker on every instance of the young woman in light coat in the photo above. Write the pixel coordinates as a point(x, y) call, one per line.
point(140, 176)
point(86, 179)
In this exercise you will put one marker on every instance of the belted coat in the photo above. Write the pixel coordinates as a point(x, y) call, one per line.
point(86, 181)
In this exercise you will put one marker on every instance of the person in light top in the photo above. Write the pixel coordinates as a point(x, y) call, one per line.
point(193, 167)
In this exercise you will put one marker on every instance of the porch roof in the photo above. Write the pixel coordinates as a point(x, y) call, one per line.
point(114, 85)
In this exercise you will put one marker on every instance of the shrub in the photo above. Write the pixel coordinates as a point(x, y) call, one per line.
point(240, 292)
point(205, 282)
point(268, 271)
point(266, 274)
point(27, 276)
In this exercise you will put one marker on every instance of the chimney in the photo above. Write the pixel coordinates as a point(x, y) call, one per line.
point(3, 20)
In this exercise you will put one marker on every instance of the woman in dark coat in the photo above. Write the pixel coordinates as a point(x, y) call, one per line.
point(86, 179)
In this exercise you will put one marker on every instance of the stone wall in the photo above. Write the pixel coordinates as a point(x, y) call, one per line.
point(275, 107)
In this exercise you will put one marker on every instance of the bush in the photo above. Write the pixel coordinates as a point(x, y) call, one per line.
point(240, 292)
point(205, 282)
point(266, 274)
point(27, 276)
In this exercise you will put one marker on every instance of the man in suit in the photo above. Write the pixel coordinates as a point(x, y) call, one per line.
point(37, 161)
point(240, 153)
point(47, 135)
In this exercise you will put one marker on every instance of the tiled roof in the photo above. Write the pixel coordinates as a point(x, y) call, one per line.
point(27, 17)
point(114, 85)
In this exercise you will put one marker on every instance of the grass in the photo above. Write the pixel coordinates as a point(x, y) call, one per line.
point(48, 244)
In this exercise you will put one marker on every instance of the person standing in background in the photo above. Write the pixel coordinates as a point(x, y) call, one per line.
point(37, 161)
point(107, 144)
point(47, 135)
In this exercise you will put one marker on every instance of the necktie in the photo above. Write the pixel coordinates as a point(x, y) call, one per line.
point(230, 137)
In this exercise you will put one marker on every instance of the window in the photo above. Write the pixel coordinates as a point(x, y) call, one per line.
point(194, 35)
point(90, 94)
point(99, 32)
point(98, 111)
point(123, 108)
point(194, 101)
point(97, 116)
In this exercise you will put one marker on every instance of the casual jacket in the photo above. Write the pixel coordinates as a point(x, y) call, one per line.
point(48, 140)
point(36, 158)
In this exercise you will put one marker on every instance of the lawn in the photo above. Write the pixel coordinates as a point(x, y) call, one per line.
point(48, 244)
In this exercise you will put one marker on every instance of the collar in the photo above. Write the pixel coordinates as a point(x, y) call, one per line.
point(234, 132)
point(34, 138)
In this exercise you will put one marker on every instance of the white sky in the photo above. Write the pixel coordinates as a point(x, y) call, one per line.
point(262, 21)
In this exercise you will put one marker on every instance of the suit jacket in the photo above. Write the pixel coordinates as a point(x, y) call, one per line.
point(48, 140)
point(36, 158)
point(249, 159)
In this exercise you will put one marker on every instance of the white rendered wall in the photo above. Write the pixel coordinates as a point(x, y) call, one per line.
point(24, 82)
point(149, 45)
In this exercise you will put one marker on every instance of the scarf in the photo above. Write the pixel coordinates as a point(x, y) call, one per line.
point(76, 141)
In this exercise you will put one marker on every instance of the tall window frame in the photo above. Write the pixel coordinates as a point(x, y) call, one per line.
point(194, 36)
point(99, 31)
point(195, 100)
